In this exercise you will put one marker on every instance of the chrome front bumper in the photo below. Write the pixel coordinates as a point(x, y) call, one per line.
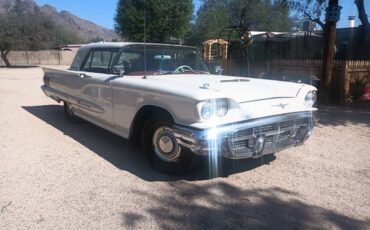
point(249, 139)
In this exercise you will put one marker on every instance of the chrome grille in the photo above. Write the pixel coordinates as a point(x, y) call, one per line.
point(243, 133)
point(264, 128)
point(242, 141)
point(286, 124)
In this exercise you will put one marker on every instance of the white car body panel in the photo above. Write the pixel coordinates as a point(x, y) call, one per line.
point(112, 101)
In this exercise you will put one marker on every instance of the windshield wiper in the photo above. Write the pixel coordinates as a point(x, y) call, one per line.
point(200, 72)
point(173, 72)
point(161, 72)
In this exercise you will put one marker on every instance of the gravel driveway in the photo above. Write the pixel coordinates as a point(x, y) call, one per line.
point(58, 175)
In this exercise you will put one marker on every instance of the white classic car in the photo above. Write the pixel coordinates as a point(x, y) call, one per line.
point(163, 97)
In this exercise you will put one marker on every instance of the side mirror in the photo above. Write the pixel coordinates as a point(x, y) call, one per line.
point(119, 69)
point(218, 69)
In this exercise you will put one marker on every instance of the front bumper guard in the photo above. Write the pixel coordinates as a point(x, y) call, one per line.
point(259, 136)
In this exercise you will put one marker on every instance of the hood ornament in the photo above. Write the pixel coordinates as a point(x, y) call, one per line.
point(205, 86)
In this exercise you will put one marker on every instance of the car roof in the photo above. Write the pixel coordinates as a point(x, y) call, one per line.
point(123, 44)
point(84, 50)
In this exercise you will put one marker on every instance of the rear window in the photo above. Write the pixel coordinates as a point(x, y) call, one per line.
point(99, 61)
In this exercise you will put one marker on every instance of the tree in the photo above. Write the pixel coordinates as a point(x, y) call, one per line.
point(265, 15)
point(22, 29)
point(163, 19)
point(64, 36)
point(5, 39)
point(214, 15)
point(364, 30)
point(361, 12)
point(330, 36)
point(310, 9)
point(313, 9)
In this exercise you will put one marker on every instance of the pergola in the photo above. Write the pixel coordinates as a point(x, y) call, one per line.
point(207, 48)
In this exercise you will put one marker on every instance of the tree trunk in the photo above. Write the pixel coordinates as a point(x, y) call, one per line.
point(361, 12)
point(363, 33)
point(328, 60)
point(5, 59)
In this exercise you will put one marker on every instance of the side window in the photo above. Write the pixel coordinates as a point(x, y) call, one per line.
point(99, 61)
point(132, 60)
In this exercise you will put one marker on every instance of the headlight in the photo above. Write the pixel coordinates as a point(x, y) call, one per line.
point(218, 107)
point(310, 98)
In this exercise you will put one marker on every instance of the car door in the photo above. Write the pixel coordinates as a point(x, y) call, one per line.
point(124, 96)
point(95, 90)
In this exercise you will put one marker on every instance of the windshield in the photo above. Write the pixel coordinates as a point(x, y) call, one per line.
point(161, 60)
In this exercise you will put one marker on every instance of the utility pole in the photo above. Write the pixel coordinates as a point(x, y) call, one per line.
point(332, 17)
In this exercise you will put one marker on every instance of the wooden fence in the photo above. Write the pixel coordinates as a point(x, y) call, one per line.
point(346, 74)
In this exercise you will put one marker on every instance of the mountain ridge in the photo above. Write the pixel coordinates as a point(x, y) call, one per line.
point(86, 30)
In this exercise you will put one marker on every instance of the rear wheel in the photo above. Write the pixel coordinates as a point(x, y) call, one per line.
point(68, 112)
point(161, 146)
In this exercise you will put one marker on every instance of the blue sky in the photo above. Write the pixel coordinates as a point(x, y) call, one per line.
point(102, 12)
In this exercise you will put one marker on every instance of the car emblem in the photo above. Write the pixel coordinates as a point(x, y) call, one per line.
point(282, 105)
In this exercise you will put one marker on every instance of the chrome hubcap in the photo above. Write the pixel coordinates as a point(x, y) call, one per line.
point(165, 145)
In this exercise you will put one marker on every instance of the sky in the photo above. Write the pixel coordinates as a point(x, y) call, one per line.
point(103, 12)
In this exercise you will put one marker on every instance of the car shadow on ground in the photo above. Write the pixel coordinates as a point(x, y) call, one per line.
point(343, 115)
point(220, 205)
point(217, 204)
point(125, 156)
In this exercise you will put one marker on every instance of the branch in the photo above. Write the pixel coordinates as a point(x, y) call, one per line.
point(361, 12)
point(317, 20)
point(242, 16)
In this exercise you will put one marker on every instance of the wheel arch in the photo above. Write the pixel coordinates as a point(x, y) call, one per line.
point(140, 117)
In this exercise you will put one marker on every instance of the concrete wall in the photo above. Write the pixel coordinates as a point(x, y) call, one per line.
point(44, 57)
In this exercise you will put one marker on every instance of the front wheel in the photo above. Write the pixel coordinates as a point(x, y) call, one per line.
point(161, 146)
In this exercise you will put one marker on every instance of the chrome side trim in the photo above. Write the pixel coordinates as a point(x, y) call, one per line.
point(60, 96)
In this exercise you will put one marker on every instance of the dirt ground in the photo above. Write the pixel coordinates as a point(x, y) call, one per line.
point(58, 175)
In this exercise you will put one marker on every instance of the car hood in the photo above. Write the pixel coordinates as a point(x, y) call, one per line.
point(239, 89)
